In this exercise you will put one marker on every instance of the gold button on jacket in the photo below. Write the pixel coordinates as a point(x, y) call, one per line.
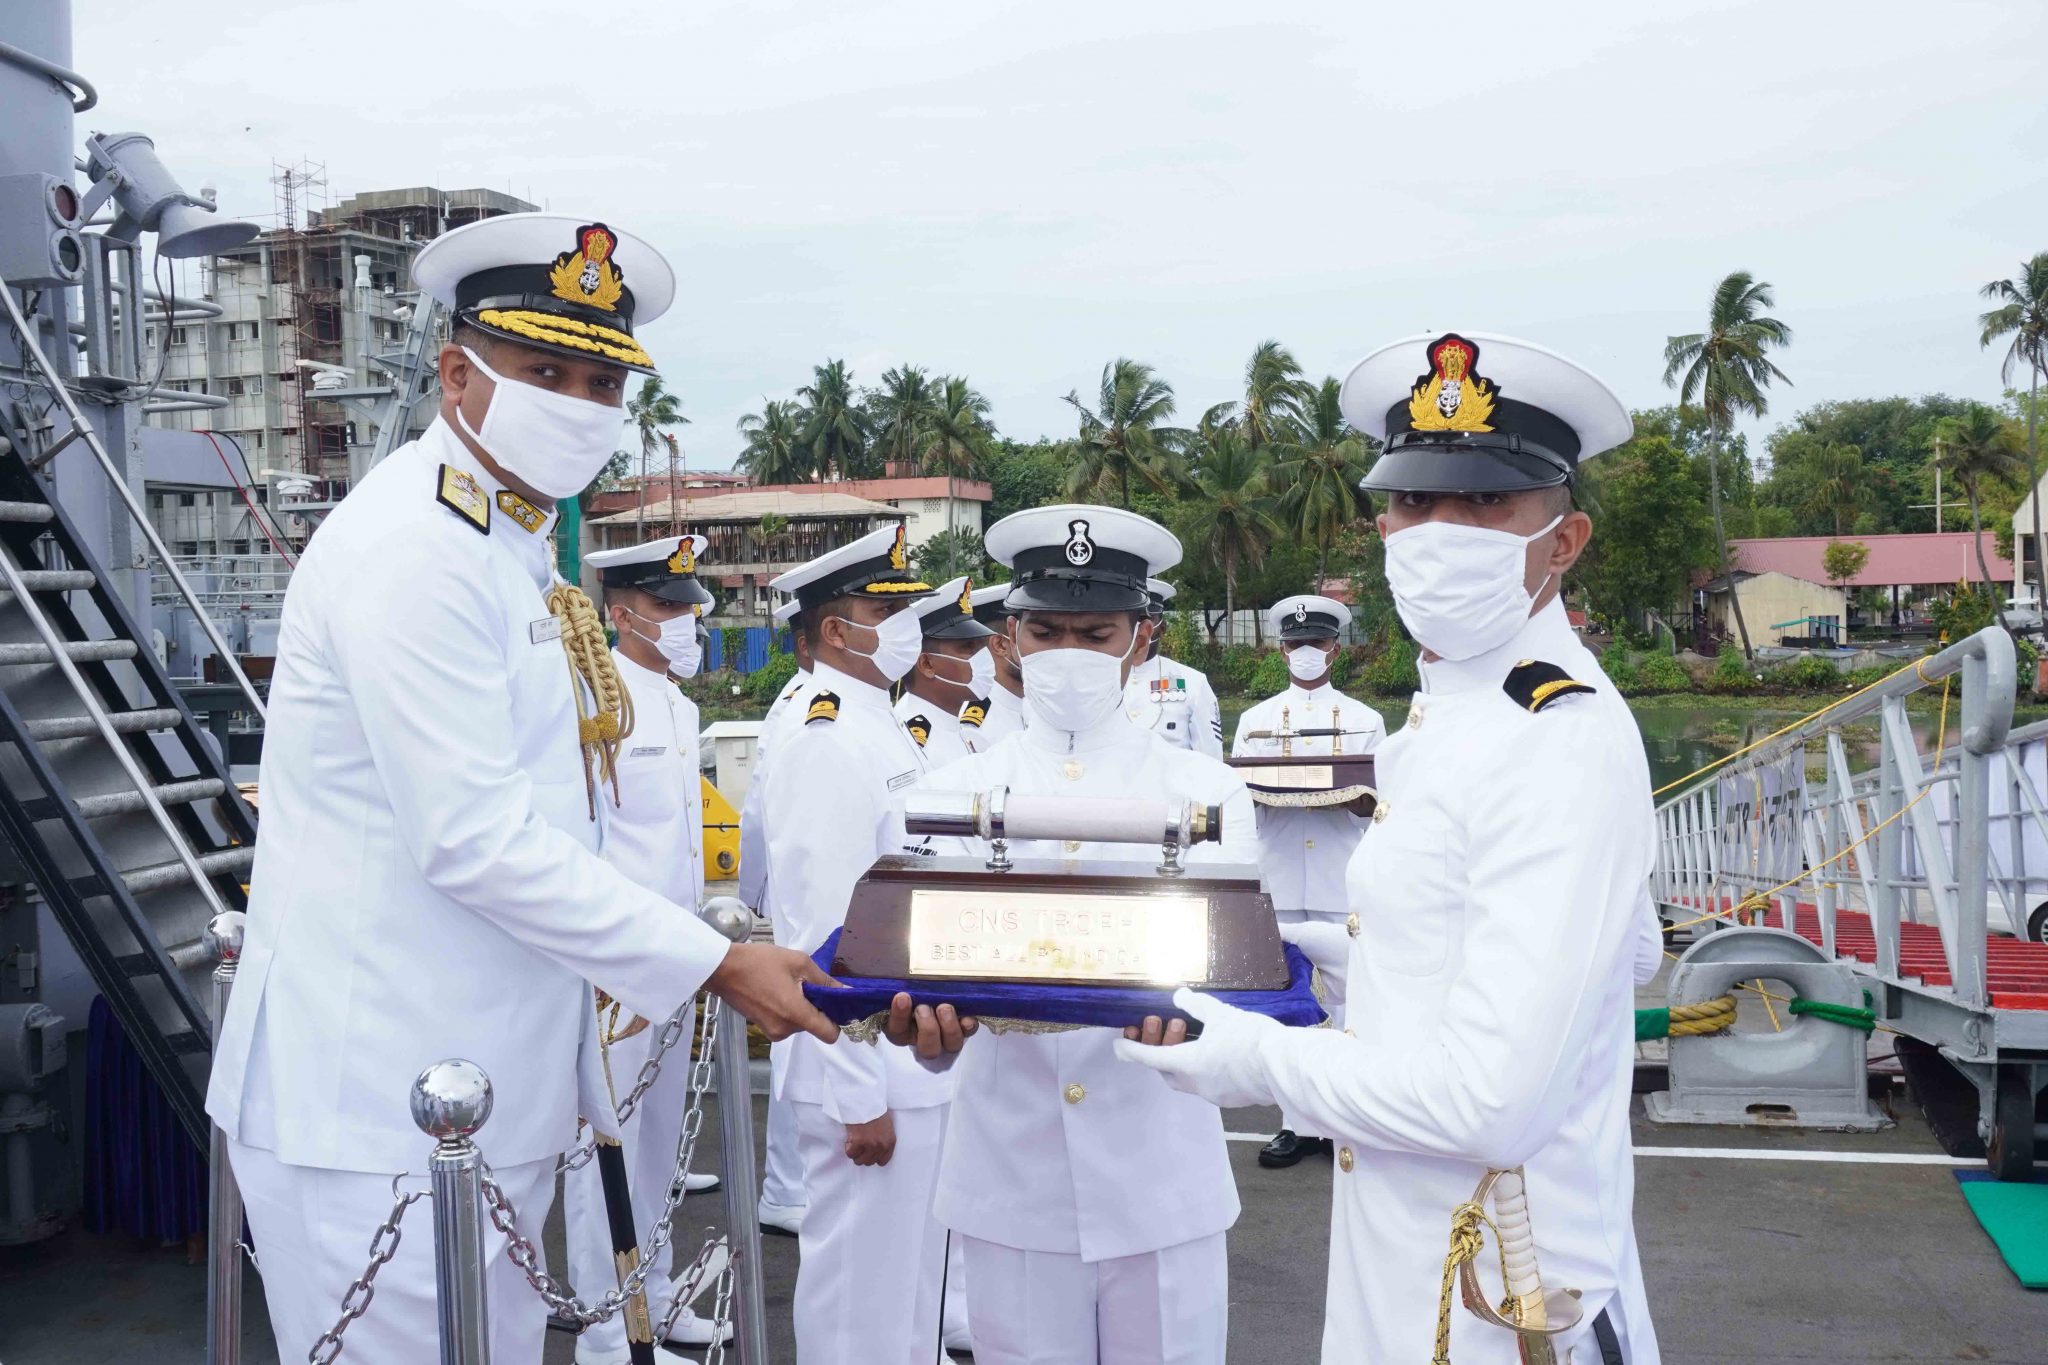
point(1076, 1093)
point(1345, 1160)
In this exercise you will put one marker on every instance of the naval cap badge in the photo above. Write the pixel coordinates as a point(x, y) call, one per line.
point(684, 560)
point(896, 557)
point(1452, 396)
point(1080, 549)
point(588, 275)
point(1300, 612)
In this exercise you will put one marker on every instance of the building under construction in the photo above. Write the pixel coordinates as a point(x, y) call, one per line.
point(310, 319)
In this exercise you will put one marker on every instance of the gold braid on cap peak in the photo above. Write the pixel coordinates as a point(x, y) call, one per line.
point(604, 709)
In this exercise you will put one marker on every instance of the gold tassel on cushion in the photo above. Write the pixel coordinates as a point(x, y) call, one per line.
point(604, 709)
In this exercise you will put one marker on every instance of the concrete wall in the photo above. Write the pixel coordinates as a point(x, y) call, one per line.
point(1769, 598)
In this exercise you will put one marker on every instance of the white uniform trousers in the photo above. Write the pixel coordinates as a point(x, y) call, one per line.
point(650, 1141)
point(1166, 1307)
point(312, 1228)
point(1294, 1123)
point(867, 1287)
point(782, 1175)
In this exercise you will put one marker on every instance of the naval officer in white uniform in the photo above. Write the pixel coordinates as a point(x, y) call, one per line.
point(655, 835)
point(781, 1209)
point(1000, 710)
point(951, 680)
point(869, 1119)
point(1499, 908)
point(1168, 697)
point(1303, 850)
point(428, 883)
point(1092, 1198)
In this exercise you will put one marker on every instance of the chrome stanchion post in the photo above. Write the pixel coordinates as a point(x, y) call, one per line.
point(224, 1200)
point(742, 1182)
point(450, 1101)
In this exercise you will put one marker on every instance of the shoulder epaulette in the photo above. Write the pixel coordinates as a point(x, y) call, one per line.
point(796, 685)
point(975, 712)
point(920, 727)
point(824, 706)
point(464, 496)
point(1534, 684)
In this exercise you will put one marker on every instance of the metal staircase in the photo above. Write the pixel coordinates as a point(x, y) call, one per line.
point(113, 799)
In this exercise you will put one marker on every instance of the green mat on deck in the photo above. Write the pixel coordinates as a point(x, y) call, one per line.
point(2015, 1217)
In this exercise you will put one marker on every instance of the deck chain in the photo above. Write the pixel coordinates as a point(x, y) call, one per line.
point(328, 1348)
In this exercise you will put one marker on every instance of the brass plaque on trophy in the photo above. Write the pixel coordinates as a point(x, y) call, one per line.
point(1310, 781)
point(1088, 923)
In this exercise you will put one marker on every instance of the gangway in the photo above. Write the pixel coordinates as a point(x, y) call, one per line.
point(1895, 869)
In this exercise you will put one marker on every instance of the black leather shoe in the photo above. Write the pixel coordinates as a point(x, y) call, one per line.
point(1284, 1150)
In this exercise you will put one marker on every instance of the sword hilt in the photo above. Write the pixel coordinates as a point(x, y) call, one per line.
point(1535, 1315)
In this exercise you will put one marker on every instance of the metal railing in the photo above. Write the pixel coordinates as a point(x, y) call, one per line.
point(83, 430)
point(1905, 841)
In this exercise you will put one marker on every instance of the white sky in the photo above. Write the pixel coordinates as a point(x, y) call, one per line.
point(1022, 191)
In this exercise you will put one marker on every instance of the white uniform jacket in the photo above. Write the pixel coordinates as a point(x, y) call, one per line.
point(427, 884)
point(945, 739)
point(836, 796)
point(1005, 717)
point(1177, 703)
point(656, 832)
point(1501, 906)
point(1054, 1144)
point(753, 876)
point(1303, 851)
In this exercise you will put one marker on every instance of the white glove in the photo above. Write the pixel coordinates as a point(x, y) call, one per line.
point(1223, 1066)
point(1328, 948)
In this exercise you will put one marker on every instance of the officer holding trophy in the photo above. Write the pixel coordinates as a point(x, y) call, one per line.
point(1304, 849)
point(445, 721)
point(1092, 1200)
point(1498, 909)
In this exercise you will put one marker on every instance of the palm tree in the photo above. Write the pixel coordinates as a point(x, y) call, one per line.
point(775, 443)
point(835, 430)
point(1726, 369)
point(1317, 468)
point(1123, 435)
point(1839, 489)
point(1275, 393)
point(652, 411)
point(2022, 314)
point(1977, 444)
point(956, 434)
point(898, 412)
point(1232, 520)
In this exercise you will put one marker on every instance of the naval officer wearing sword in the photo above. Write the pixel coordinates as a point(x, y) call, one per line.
point(444, 717)
point(1498, 910)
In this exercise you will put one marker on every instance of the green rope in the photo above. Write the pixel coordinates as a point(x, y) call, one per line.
point(1863, 1020)
point(1652, 1024)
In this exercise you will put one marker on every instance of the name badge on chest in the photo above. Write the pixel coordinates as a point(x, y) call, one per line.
point(546, 629)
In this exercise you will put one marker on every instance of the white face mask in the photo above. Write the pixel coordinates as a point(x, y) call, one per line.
point(550, 441)
point(981, 672)
point(1073, 689)
point(676, 640)
point(1306, 663)
point(898, 642)
point(1460, 589)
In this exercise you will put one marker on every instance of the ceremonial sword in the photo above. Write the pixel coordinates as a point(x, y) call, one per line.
point(1533, 1314)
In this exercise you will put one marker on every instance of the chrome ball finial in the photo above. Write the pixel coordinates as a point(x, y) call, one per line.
point(451, 1099)
point(729, 916)
point(224, 935)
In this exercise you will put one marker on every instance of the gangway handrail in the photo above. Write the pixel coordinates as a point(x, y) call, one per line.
point(1990, 647)
point(91, 436)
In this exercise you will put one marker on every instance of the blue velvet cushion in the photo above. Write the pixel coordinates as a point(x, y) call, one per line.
point(861, 997)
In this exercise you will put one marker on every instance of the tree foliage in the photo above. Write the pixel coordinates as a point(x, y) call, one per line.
point(1842, 560)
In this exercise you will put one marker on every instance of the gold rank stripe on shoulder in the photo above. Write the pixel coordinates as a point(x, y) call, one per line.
point(461, 494)
point(920, 728)
point(975, 712)
point(824, 706)
point(520, 510)
point(1533, 684)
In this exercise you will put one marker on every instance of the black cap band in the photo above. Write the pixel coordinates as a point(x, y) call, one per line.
point(876, 578)
point(529, 287)
point(1315, 625)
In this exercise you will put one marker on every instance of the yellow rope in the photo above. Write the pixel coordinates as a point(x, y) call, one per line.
point(1726, 759)
point(1709, 1016)
point(1466, 1242)
point(604, 709)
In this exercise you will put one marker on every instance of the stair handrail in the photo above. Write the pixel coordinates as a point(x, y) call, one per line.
point(85, 431)
point(144, 787)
